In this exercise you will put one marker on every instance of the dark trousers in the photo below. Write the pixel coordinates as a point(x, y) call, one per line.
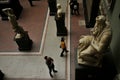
point(76, 11)
point(30, 1)
point(71, 11)
point(63, 50)
point(51, 68)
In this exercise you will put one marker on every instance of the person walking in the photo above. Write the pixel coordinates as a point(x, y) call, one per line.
point(76, 8)
point(50, 64)
point(63, 46)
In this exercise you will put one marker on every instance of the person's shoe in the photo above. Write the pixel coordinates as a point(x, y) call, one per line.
point(55, 71)
point(67, 51)
point(61, 55)
point(51, 75)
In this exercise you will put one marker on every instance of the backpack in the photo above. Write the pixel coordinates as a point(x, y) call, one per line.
point(75, 6)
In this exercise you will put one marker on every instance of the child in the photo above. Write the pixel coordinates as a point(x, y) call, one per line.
point(63, 46)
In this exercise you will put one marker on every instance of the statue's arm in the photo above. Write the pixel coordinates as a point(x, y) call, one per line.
point(7, 11)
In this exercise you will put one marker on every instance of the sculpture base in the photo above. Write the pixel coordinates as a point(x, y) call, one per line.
point(52, 13)
point(24, 43)
point(83, 72)
point(62, 32)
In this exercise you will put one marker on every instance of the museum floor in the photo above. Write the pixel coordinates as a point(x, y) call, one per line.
point(41, 27)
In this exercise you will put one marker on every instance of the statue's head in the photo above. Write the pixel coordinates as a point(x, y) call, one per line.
point(58, 6)
point(8, 10)
point(100, 19)
point(59, 11)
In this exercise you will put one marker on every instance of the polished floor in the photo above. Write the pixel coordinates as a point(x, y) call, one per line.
point(41, 28)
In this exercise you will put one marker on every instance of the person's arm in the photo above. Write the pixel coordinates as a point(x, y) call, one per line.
point(51, 60)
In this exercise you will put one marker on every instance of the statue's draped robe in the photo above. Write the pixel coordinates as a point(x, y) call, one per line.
point(87, 54)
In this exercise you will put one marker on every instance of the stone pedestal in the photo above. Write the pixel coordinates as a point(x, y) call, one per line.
point(60, 25)
point(14, 4)
point(52, 7)
point(1, 75)
point(24, 43)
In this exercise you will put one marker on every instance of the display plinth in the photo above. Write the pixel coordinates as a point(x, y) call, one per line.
point(60, 25)
point(14, 4)
point(24, 43)
point(52, 7)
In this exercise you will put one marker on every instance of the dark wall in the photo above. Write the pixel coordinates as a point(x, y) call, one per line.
point(91, 8)
point(115, 24)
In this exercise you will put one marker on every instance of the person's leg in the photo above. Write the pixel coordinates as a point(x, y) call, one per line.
point(62, 52)
point(53, 67)
point(78, 12)
point(30, 1)
point(71, 10)
point(66, 50)
point(75, 11)
point(50, 71)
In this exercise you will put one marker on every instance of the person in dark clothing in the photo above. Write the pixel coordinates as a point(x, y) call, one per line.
point(76, 8)
point(71, 6)
point(30, 1)
point(63, 46)
point(74, 5)
point(50, 64)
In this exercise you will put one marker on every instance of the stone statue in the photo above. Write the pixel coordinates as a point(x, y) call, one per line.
point(12, 18)
point(92, 47)
point(59, 10)
point(21, 36)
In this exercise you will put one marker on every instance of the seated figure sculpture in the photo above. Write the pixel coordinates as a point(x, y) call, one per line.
point(92, 47)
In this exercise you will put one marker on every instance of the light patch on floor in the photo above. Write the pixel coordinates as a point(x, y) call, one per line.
point(81, 22)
